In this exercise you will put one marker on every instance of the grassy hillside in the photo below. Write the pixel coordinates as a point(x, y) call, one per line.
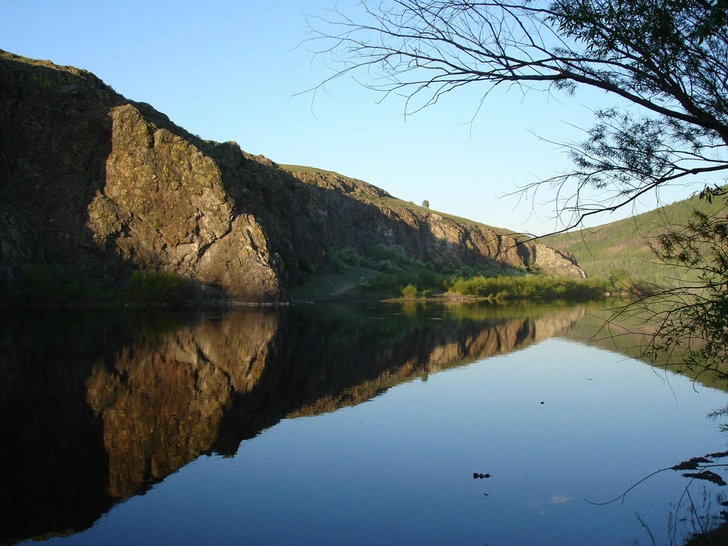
point(621, 249)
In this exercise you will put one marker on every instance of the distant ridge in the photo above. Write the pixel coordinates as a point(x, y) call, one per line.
point(622, 248)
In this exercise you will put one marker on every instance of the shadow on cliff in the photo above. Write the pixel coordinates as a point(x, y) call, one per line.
point(98, 407)
point(102, 186)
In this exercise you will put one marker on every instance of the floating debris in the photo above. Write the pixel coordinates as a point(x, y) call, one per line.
point(480, 476)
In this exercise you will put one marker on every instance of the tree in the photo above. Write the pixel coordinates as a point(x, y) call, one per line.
point(426, 204)
point(664, 61)
point(693, 315)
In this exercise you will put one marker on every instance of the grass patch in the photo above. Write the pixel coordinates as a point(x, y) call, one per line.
point(353, 282)
point(378, 273)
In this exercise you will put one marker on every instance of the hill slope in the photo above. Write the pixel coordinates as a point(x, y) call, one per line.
point(622, 249)
point(101, 186)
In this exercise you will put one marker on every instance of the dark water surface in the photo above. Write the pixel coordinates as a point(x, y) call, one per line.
point(342, 424)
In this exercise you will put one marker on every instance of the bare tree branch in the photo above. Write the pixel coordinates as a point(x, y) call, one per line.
point(656, 56)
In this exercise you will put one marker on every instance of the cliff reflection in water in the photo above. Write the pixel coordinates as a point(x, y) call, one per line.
point(98, 407)
point(162, 399)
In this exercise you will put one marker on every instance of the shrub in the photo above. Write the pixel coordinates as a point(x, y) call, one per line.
point(427, 278)
point(42, 283)
point(306, 265)
point(52, 284)
point(319, 226)
point(529, 287)
point(387, 266)
point(345, 258)
point(465, 271)
point(404, 278)
point(384, 281)
point(409, 291)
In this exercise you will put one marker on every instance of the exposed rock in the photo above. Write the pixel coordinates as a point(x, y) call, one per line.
point(557, 262)
point(102, 186)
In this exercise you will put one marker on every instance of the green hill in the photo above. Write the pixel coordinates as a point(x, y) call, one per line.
point(621, 249)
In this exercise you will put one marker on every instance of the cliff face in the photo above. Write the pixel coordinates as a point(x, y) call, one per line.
point(424, 234)
point(102, 185)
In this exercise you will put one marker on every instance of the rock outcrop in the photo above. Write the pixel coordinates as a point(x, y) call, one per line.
point(102, 186)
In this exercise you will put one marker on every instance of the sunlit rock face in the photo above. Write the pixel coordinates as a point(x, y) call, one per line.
point(102, 186)
point(164, 207)
point(557, 262)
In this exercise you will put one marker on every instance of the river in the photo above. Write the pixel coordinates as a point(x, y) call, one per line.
point(345, 424)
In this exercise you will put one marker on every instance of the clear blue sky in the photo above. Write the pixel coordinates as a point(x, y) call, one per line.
point(230, 70)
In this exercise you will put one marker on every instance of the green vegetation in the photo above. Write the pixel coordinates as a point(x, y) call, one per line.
point(156, 287)
point(382, 271)
point(530, 287)
point(695, 313)
point(386, 272)
point(621, 252)
point(409, 292)
point(378, 273)
point(42, 284)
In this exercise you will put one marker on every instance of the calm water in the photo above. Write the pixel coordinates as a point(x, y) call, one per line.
point(342, 425)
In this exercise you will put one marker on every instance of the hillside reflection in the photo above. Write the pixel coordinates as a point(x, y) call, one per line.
point(97, 407)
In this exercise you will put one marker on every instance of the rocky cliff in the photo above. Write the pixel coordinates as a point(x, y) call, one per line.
point(103, 186)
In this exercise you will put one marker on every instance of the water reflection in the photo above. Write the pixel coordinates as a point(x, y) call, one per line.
point(628, 329)
point(97, 407)
point(162, 398)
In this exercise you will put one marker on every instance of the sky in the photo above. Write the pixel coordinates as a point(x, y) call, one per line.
point(239, 71)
